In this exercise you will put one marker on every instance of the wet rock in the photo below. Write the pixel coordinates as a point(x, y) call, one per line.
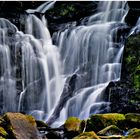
point(110, 130)
point(67, 93)
point(133, 134)
point(53, 135)
point(19, 126)
point(87, 135)
point(98, 122)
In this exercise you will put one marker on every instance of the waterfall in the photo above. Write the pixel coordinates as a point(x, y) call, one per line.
point(94, 53)
point(35, 74)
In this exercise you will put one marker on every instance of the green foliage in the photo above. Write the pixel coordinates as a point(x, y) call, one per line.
point(63, 10)
point(68, 10)
point(3, 133)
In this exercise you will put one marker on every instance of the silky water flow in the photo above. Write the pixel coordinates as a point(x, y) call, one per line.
point(34, 72)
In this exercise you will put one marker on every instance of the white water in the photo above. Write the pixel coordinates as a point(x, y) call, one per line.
point(91, 51)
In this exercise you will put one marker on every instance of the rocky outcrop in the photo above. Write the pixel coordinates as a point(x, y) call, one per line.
point(18, 126)
point(104, 120)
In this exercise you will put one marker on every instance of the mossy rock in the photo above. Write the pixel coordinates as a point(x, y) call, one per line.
point(87, 135)
point(98, 122)
point(72, 127)
point(133, 134)
point(133, 120)
point(72, 124)
point(19, 126)
point(110, 130)
point(3, 133)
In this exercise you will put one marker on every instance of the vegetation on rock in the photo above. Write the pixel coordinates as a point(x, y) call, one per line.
point(104, 120)
point(72, 127)
point(72, 124)
point(3, 133)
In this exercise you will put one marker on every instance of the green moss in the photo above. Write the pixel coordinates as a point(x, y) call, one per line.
point(3, 133)
point(87, 135)
point(134, 134)
point(72, 124)
point(99, 121)
point(31, 119)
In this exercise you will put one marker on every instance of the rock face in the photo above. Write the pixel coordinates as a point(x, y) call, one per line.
point(19, 126)
point(125, 95)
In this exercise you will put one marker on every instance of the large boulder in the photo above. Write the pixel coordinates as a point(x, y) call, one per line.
point(19, 126)
point(87, 135)
point(98, 122)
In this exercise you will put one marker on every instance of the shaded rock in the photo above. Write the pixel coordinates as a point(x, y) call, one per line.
point(20, 126)
point(133, 134)
point(3, 133)
point(98, 122)
point(72, 127)
point(110, 130)
point(87, 135)
point(41, 124)
point(133, 120)
point(53, 135)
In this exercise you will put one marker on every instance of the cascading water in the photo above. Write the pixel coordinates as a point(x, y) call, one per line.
point(34, 72)
point(93, 53)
